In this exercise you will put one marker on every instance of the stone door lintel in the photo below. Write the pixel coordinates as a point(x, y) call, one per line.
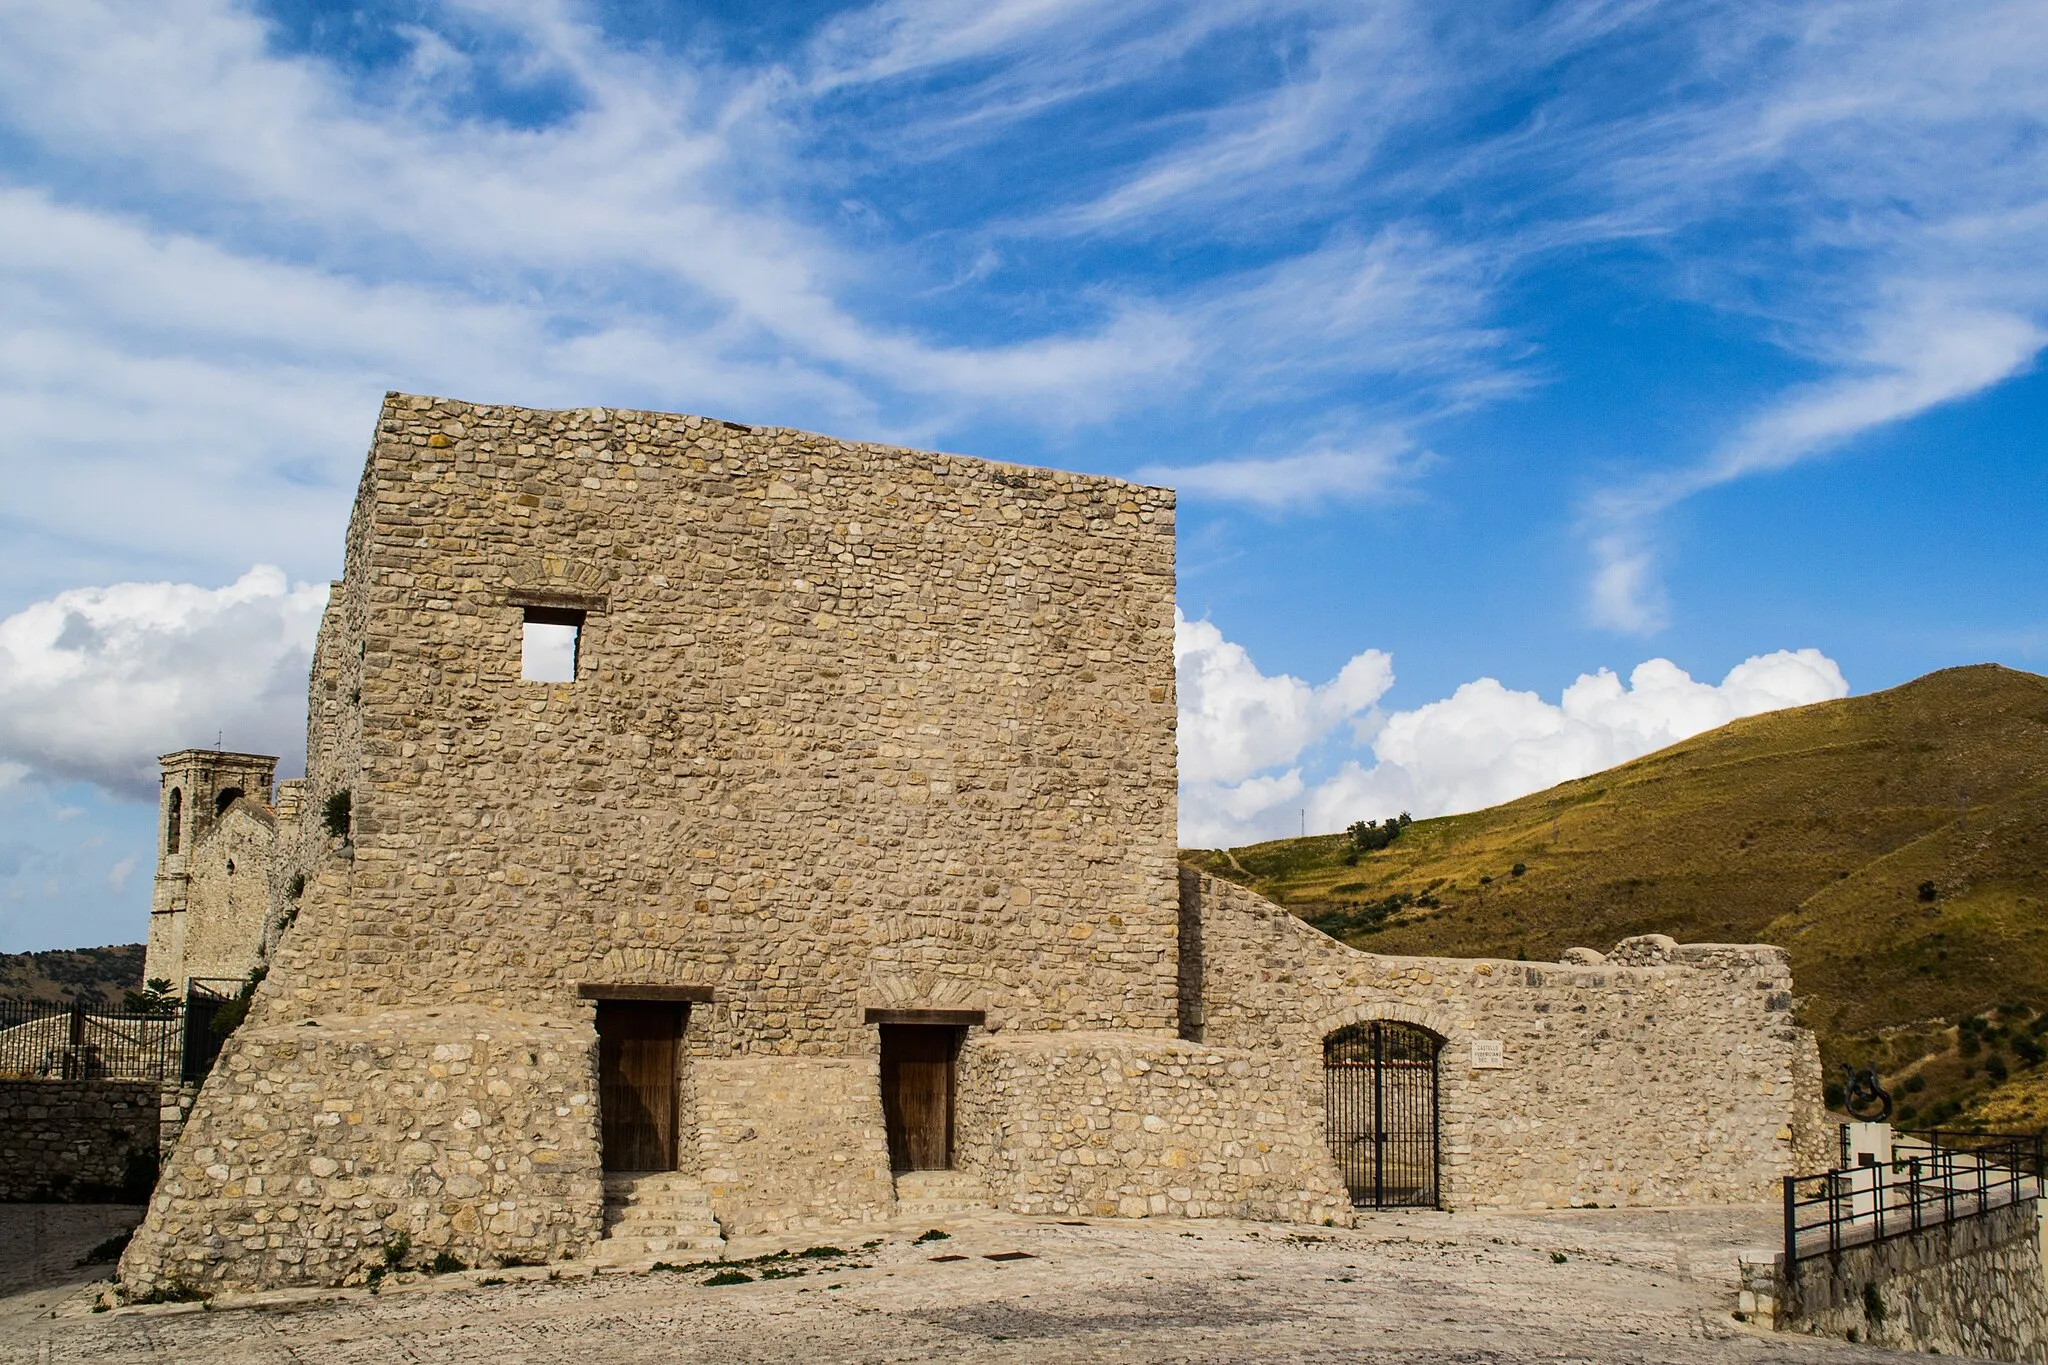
point(607, 990)
point(956, 1018)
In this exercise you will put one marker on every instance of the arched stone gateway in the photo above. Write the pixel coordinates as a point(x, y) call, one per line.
point(1380, 1112)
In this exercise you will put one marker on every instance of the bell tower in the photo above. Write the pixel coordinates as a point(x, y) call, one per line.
point(197, 788)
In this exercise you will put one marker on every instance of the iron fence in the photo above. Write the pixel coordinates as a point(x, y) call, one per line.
point(43, 1041)
point(205, 1029)
point(2023, 1151)
point(1932, 1178)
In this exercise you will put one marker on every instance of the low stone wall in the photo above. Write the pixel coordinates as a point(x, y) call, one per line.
point(83, 1140)
point(315, 1144)
point(1972, 1287)
point(1683, 1081)
point(1123, 1125)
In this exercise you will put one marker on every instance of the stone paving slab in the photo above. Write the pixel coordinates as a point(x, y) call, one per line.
point(1632, 1286)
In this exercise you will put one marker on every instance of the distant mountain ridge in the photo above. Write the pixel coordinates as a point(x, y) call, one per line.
point(1894, 842)
point(98, 976)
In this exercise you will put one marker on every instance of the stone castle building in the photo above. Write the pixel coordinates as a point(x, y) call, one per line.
point(216, 867)
point(752, 831)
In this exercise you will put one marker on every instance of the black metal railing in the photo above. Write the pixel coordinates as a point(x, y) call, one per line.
point(43, 1041)
point(1932, 1178)
point(2025, 1151)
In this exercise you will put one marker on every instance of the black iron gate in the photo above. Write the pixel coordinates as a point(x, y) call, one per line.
point(1379, 1086)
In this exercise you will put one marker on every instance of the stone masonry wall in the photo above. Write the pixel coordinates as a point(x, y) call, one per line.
point(1115, 1125)
point(853, 725)
point(789, 1142)
point(75, 1139)
point(315, 1143)
point(1972, 1287)
point(1683, 1083)
point(228, 895)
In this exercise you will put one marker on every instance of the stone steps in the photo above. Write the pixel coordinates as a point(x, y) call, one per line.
point(941, 1194)
point(660, 1215)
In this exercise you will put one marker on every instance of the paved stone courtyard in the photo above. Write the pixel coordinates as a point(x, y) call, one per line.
point(1631, 1286)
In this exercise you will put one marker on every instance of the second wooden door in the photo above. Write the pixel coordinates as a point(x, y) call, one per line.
point(917, 1094)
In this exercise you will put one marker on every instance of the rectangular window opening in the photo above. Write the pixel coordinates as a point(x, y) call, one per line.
point(553, 638)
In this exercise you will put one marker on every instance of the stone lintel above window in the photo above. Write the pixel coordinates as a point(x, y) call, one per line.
point(557, 599)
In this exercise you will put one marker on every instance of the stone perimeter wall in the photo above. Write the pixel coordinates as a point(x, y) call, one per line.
point(1684, 1082)
point(67, 1139)
point(1972, 1287)
point(474, 1130)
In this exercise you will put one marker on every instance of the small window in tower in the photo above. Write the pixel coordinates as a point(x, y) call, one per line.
point(548, 652)
point(174, 820)
point(228, 796)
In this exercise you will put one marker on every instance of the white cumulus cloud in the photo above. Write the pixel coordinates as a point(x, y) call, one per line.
point(1246, 738)
point(96, 682)
point(1236, 721)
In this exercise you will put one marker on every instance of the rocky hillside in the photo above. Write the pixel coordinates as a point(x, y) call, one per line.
point(100, 976)
point(1896, 843)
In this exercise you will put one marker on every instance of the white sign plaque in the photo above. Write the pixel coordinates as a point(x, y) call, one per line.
point(1487, 1054)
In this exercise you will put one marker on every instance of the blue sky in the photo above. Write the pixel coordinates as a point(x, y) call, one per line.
point(1490, 346)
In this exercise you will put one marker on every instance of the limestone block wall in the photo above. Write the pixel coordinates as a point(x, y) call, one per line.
point(1120, 1125)
point(164, 954)
point(315, 1143)
point(790, 1142)
point(75, 1139)
point(334, 709)
point(228, 895)
point(334, 701)
point(1973, 1287)
point(852, 724)
point(1682, 1083)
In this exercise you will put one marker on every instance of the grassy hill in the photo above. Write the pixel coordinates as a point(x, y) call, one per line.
point(99, 976)
point(1895, 843)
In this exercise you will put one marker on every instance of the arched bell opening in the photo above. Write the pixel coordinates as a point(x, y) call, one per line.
point(1380, 1112)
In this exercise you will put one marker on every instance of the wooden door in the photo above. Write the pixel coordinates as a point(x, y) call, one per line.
point(636, 1069)
point(917, 1094)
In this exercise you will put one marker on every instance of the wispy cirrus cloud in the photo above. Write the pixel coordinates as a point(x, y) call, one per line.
point(1923, 359)
point(1897, 157)
point(1266, 208)
point(230, 225)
